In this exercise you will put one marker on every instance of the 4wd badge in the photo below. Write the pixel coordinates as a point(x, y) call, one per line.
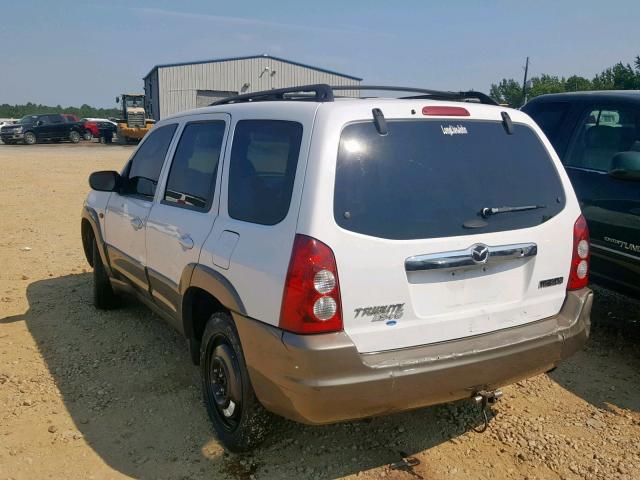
point(381, 313)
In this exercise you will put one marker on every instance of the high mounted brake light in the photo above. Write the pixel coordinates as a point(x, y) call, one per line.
point(438, 111)
point(311, 298)
point(579, 273)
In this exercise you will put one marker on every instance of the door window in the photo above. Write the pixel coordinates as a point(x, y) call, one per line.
point(146, 164)
point(263, 165)
point(602, 133)
point(192, 177)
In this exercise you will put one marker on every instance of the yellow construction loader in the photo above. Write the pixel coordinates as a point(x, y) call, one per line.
point(133, 124)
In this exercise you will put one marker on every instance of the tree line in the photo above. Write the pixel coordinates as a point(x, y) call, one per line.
point(617, 77)
point(84, 111)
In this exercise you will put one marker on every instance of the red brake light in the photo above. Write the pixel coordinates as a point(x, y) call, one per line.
point(579, 274)
point(445, 111)
point(311, 298)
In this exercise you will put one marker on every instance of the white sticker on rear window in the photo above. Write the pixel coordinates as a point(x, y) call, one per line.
point(454, 129)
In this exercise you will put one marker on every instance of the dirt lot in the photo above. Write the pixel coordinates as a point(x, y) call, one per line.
point(86, 394)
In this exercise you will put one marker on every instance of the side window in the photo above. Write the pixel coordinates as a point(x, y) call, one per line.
point(262, 169)
point(601, 134)
point(146, 164)
point(550, 116)
point(44, 119)
point(193, 172)
point(56, 119)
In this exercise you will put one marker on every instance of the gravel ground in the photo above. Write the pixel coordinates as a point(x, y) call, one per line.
point(86, 394)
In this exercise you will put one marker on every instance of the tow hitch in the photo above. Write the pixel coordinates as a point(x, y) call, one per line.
point(484, 400)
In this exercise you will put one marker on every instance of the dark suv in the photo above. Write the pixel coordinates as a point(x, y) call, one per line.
point(597, 136)
point(32, 129)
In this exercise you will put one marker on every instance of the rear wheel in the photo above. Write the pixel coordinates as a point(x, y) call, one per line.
point(104, 297)
point(239, 419)
point(30, 138)
point(87, 136)
point(74, 137)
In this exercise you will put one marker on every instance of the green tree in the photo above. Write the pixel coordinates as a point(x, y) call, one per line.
point(507, 91)
point(17, 111)
point(576, 83)
point(617, 77)
point(545, 84)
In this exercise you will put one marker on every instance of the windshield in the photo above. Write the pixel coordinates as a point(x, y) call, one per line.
point(28, 119)
point(134, 102)
point(432, 178)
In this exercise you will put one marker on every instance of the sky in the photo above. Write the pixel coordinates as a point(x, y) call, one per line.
point(60, 52)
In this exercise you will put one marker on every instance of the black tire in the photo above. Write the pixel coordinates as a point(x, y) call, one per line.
point(30, 138)
point(238, 418)
point(88, 136)
point(74, 137)
point(104, 297)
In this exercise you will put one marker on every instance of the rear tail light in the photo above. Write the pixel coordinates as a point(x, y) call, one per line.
point(579, 274)
point(440, 111)
point(311, 298)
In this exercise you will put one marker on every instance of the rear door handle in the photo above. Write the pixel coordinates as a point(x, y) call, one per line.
point(136, 223)
point(186, 242)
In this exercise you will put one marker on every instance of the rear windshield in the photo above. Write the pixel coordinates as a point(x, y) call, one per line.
point(431, 178)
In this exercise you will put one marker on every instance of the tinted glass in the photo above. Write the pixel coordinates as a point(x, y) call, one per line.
point(56, 119)
point(549, 116)
point(146, 163)
point(427, 178)
point(192, 177)
point(264, 158)
point(601, 134)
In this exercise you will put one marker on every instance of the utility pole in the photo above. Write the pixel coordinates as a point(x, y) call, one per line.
point(524, 83)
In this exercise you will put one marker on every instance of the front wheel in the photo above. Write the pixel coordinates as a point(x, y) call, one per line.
point(30, 138)
point(74, 137)
point(239, 419)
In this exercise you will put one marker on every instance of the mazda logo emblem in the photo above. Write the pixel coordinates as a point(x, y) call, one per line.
point(480, 253)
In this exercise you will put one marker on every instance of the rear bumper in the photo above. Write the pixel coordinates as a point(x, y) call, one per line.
point(319, 379)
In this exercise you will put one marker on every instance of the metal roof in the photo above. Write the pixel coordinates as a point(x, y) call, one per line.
point(264, 55)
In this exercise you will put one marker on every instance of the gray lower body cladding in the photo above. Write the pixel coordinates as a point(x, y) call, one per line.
point(319, 379)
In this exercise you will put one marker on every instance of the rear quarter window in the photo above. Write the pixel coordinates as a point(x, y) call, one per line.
point(264, 158)
point(421, 180)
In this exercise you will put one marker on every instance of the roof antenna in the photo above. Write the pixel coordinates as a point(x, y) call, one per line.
point(379, 121)
point(507, 123)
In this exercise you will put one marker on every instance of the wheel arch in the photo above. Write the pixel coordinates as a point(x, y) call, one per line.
point(89, 230)
point(207, 292)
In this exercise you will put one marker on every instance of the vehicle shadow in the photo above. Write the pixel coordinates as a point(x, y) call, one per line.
point(606, 372)
point(128, 384)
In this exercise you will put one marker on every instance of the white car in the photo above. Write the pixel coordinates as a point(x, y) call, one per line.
point(331, 259)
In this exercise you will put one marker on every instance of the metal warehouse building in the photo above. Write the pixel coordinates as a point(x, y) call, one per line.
point(176, 87)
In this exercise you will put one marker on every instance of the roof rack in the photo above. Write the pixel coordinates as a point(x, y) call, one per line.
point(324, 93)
point(321, 93)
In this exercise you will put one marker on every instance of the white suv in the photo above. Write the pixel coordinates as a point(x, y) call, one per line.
point(331, 259)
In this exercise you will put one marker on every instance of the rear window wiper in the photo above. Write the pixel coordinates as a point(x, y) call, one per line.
point(488, 211)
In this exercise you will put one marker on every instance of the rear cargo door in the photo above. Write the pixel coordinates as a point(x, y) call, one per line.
point(418, 262)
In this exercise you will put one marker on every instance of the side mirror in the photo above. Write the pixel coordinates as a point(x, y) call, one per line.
point(626, 166)
point(117, 99)
point(105, 181)
point(39, 123)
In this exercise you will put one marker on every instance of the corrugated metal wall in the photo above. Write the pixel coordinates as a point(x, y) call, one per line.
point(177, 86)
point(152, 97)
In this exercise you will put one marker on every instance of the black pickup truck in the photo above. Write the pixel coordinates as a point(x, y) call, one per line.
point(32, 129)
point(597, 137)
